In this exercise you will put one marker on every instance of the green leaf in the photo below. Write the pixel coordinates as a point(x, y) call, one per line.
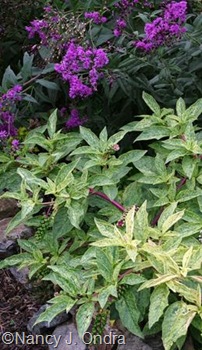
point(114, 139)
point(131, 156)
point(60, 304)
point(105, 228)
point(171, 220)
point(105, 293)
point(84, 317)
point(31, 179)
point(177, 319)
point(27, 245)
point(132, 279)
point(188, 165)
point(158, 303)
point(76, 213)
point(180, 107)
point(194, 111)
point(129, 312)
point(155, 282)
point(62, 223)
point(48, 84)
point(51, 125)
point(104, 264)
point(167, 212)
point(153, 132)
point(103, 136)
point(9, 79)
point(37, 138)
point(151, 103)
point(89, 137)
point(64, 177)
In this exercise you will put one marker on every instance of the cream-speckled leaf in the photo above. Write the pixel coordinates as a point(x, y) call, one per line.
point(176, 322)
point(171, 220)
point(130, 222)
point(84, 317)
point(158, 303)
point(157, 281)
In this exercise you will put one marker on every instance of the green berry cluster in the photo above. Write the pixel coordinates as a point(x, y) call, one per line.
point(100, 322)
point(122, 288)
point(45, 225)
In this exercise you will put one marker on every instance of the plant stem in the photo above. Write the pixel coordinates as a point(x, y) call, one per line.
point(105, 197)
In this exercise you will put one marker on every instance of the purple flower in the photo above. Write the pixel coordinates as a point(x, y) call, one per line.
point(96, 17)
point(80, 68)
point(15, 144)
point(75, 120)
point(166, 28)
point(120, 25)
point(13, 94)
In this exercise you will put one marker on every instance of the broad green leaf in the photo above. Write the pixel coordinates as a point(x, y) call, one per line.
point(37, 139)
point(129, 312)
point(71, 276)
point(51, 125)
point(105, 293)
point(177, 319)
point(178, 153)
point(160, 165)
point(84, 317)
point(61, 303)
point(132, 279)
point(167, 212)
point(103, 136)
point(27, 245)
point(158, 303)
point(105, 228)
point(188, 165)
point(104, 264)
point(76, 213)
point(62, 223)
point(89, 137)
point(131, 156)
point(153, 132)
point(31, 179)
point(171, 220)
point(151, 103)
point(194, 111)
point(180, 107)
point(157, 281)
point(48, 84)
point(114, 139)
point(64, 177)
point(15, 221)
point(190, 294)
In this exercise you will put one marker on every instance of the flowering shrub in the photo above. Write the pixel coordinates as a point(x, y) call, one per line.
point(122, 230)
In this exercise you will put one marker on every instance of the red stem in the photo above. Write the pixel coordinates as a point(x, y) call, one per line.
point(105, 197)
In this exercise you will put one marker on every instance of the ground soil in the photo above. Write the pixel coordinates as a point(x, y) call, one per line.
point(17, 306)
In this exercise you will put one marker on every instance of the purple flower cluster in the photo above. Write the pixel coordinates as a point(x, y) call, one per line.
point(120, 25)
point(164, 28)
point(74, 120)
point(7, 106)
point(96, 17)
point(125, 4)
point(80, 68)
point(47, 28)
point(37, 27)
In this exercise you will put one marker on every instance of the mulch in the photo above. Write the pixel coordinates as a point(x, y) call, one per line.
point(17, 306)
